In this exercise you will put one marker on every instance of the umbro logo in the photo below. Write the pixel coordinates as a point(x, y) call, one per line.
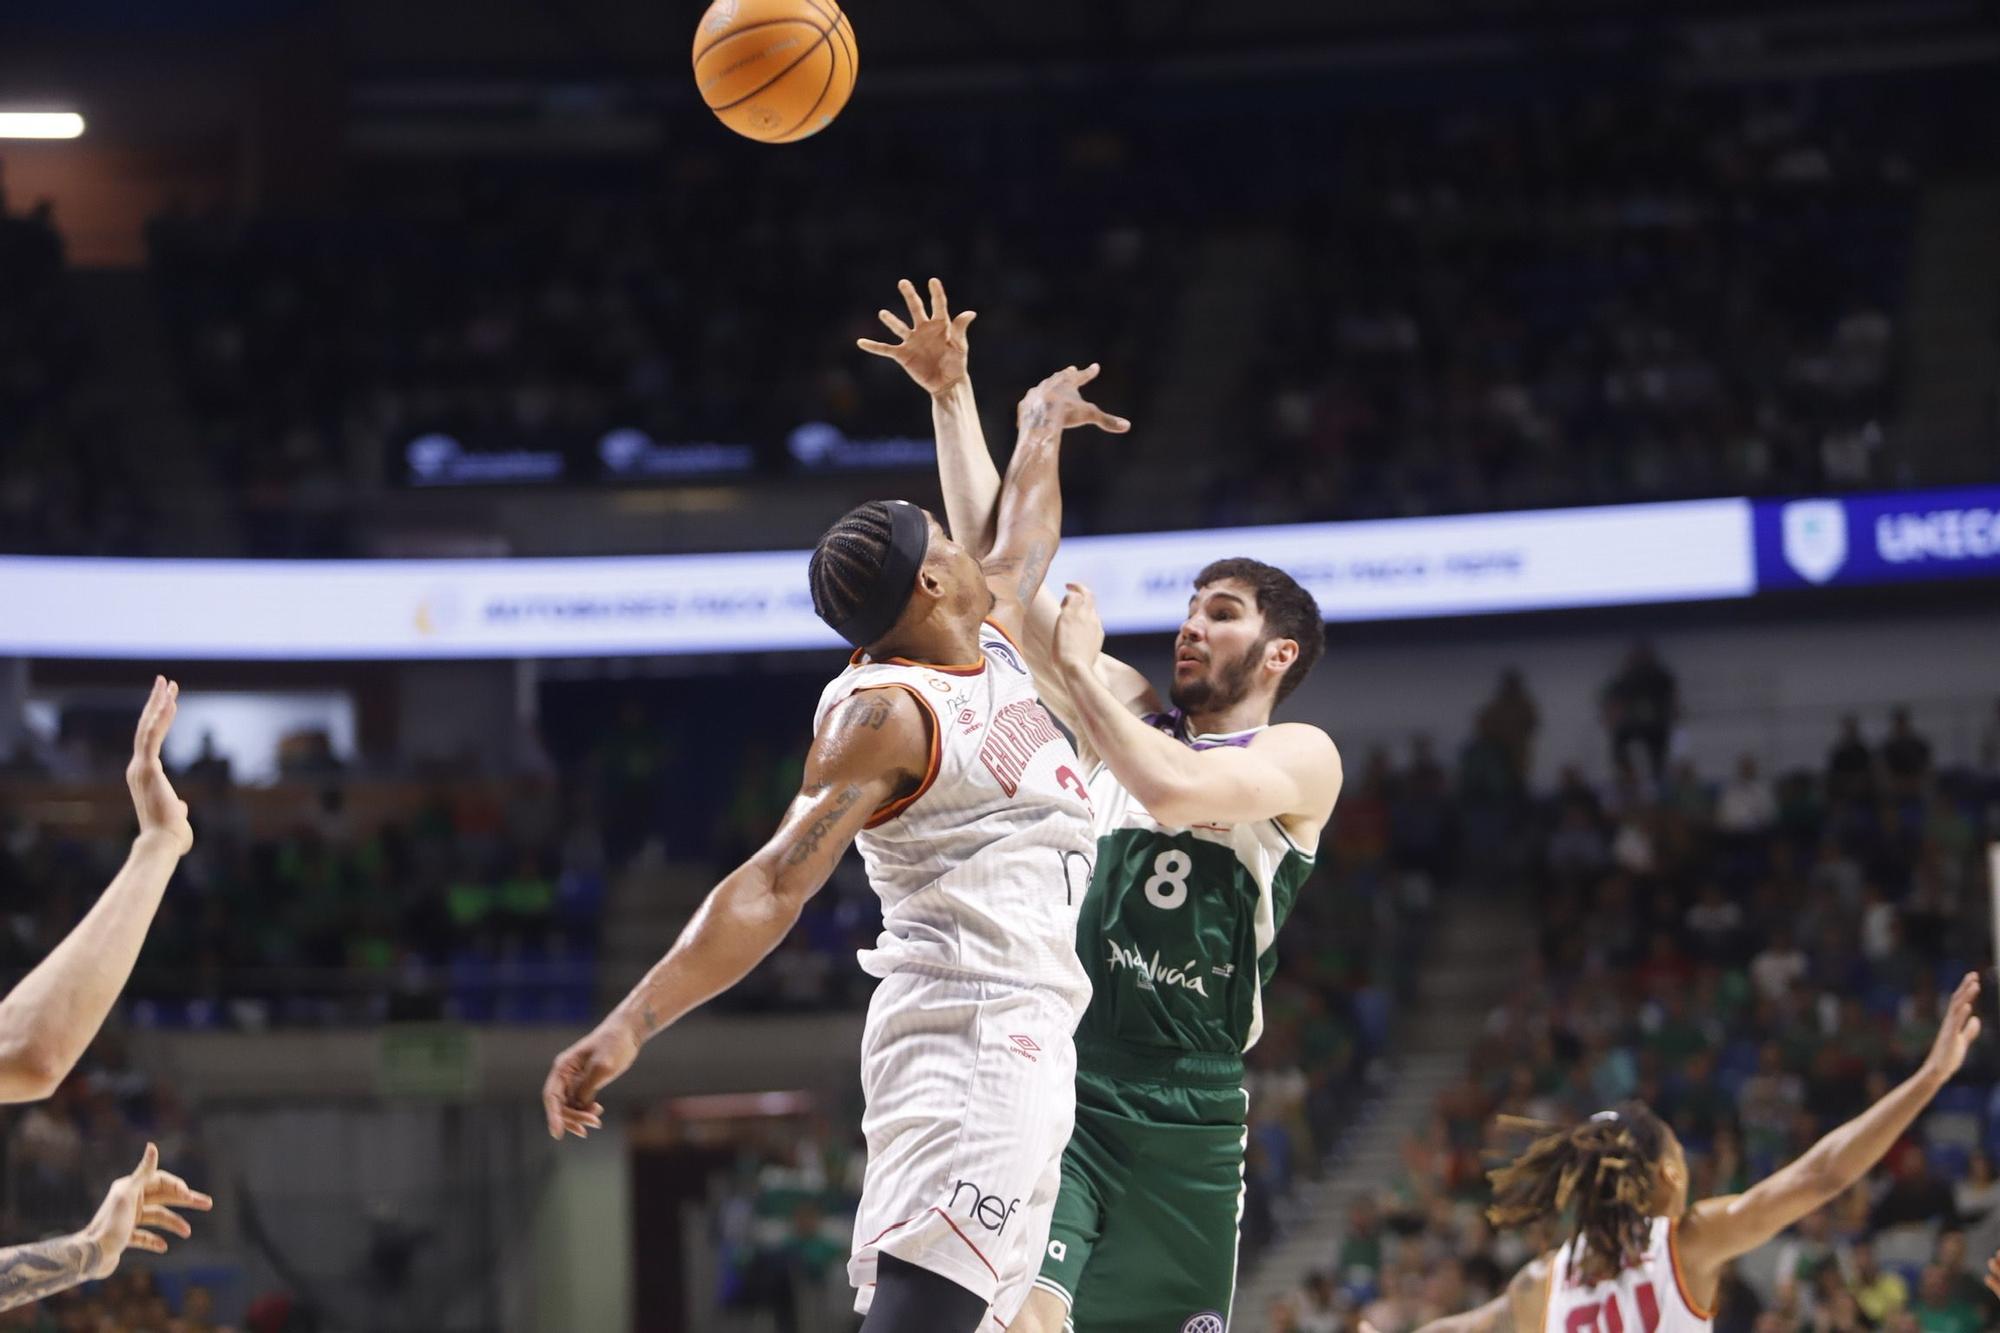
point(1024, 1045)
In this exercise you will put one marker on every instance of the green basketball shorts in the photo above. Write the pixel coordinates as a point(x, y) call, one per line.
point(1145, 1228)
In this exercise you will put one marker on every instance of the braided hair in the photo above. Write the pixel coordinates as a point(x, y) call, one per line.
point(1607, 1168)
point(848, 559)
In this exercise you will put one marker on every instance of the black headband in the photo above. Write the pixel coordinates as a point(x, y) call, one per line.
point(909, 539)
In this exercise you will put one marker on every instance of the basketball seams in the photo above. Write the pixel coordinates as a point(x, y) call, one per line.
point(752, 27)
point(844, 29)
point(730, 106)
point(832, 66)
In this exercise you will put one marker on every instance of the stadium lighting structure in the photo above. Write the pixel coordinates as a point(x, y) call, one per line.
point(40, 125)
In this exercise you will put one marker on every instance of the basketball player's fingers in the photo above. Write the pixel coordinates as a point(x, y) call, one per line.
point(146, 1240)
point(939, 309)
point(963, 321)
point(554, 1089)
point(912, 300)
point(170, 1189)
point(1104, 421)
point(894, 325)
point(1087, 374)
point(873, 348)
point(1972, 1031)
point(155, 702)
point(153, 1215)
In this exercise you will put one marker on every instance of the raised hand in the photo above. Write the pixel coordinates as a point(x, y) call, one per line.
point(1058, 402)
point(931, 348)
point(1079, 632)
point(160, 810)
point(1958, 1031)
point(569, 1094)
point(145, 1198)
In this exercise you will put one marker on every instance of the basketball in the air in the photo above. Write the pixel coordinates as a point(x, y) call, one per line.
point(775, 70)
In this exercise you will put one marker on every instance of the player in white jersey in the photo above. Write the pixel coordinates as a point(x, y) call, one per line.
point(932, 753)
point(1639, 1259)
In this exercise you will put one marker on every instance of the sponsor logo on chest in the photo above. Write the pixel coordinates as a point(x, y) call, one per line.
point(1153, 973)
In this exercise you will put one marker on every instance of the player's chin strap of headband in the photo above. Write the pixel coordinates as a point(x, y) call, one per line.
point(909, 539)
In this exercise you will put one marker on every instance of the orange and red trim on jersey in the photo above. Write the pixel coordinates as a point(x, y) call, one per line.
point(861, 658)
point(1016, 643)
point(898, 806)
point(1680, 1278)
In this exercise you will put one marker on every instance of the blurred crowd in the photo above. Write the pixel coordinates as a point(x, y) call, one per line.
point(1757, 957)
point(1505, 292)
point(1594, 299)
point(476, 900)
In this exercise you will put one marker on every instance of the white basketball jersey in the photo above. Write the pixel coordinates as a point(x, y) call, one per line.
point(983, 868)
point(1649, 1297)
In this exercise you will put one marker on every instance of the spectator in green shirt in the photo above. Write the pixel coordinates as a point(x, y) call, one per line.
point(1940, 1309)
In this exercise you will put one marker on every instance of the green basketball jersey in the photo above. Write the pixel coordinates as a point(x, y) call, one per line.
point(1179, 925)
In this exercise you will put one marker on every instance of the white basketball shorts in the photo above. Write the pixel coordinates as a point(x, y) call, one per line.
point(971, 1092)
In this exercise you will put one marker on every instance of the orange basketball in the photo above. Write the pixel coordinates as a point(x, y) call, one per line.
point(775, 70)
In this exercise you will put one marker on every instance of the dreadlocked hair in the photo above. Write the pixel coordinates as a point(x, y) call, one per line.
point(849, 556)
point(1605, 1169)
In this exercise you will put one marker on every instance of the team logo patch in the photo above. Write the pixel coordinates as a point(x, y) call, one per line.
point(1815, 538)
point(1206, 1322)
point(1024, 1045)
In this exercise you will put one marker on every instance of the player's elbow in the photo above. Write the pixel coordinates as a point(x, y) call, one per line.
point(30, 1070)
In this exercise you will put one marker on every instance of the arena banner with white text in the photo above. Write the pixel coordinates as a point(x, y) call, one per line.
point(1479, 564)
point(1898, 537)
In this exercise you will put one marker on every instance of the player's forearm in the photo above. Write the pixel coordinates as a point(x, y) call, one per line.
point(1849, 1152)
point(1146, 762)
point(30, 1272)
point(970, 482)
point(1030, 522)
point(738, 924)
point(48, 1020)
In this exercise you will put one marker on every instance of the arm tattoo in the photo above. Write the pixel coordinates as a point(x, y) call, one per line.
point(815, 833)
point(1034, 568)
point(869, 713)
point(30, 1272)
point(1037, 417)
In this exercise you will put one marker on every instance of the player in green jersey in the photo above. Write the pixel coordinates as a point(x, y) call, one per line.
point(1207, 817)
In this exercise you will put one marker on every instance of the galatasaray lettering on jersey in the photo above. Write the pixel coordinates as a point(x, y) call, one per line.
point(1018, 733)
point(982, 871)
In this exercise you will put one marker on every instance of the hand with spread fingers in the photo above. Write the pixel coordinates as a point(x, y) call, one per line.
point(162, 813)
point(1058, 402)
point(144, 1199)
point(569, 1094)
point(932, 347)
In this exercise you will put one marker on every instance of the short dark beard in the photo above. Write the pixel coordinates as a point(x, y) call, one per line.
point(1224, 689)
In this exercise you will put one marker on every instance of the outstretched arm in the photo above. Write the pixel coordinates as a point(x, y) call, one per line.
point(48, 1020)
point(1520, 1306)
point(1717, 1230)
point(871, 749)
point(144, 1199)
point(1291, 770)
point(933, 349)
